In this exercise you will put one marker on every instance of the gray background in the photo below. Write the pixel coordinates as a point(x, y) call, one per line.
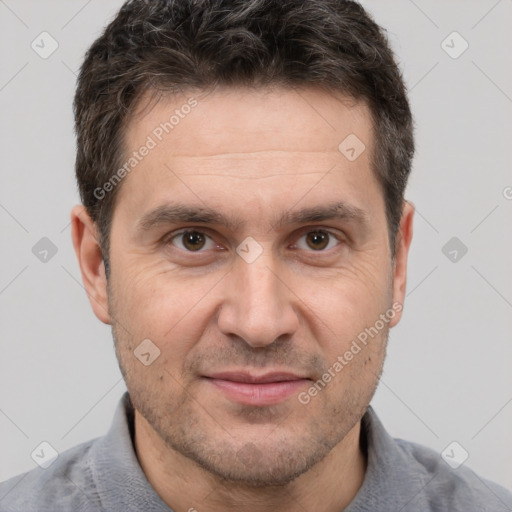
point(447, 376)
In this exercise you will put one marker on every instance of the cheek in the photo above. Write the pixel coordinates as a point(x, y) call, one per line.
point(346, 302)
point(160, 305)
point(351, 335)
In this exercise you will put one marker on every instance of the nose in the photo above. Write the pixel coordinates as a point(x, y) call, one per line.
point(258, 304)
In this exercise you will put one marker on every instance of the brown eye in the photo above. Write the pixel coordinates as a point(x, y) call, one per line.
point(317, 240)
point(193, 241)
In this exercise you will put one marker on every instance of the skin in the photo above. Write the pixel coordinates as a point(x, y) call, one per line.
point(254, 156)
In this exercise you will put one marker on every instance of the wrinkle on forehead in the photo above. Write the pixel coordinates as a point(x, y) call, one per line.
point(238, 176)
point(256, 165)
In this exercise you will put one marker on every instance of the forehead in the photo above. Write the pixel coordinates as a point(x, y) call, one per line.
point(269, 145)
point(231, 120)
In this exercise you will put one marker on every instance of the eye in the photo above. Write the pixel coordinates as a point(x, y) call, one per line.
point(317, 240)
point(192, 241)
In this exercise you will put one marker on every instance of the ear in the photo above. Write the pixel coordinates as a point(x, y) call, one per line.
point(402, 244)
point(85, 241)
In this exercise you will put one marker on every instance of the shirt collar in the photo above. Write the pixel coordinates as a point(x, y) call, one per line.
point(116, 471)
point(389, 482)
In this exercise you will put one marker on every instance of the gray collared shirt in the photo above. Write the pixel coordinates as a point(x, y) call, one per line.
point(104, 475)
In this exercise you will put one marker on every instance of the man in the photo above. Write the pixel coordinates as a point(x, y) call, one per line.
point(242, 167)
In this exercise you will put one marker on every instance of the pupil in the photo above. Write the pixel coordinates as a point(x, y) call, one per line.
point(193, 240)
point(318, 240)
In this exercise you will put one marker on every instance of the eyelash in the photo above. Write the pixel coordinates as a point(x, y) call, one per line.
point(169, 238)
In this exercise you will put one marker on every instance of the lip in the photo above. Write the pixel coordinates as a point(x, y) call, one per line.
point(243, 376)
point(249, 389)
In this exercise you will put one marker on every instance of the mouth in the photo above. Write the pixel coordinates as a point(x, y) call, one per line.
point(258, 390)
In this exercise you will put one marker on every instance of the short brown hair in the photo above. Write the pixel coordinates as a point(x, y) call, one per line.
point(173, 45)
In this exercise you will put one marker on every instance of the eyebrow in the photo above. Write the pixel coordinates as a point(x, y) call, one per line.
point(334, 211)
point(180, 213)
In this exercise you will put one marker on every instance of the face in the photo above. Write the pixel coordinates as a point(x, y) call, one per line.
point(252, 253)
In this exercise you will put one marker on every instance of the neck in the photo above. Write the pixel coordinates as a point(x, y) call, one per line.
point(183, 485)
